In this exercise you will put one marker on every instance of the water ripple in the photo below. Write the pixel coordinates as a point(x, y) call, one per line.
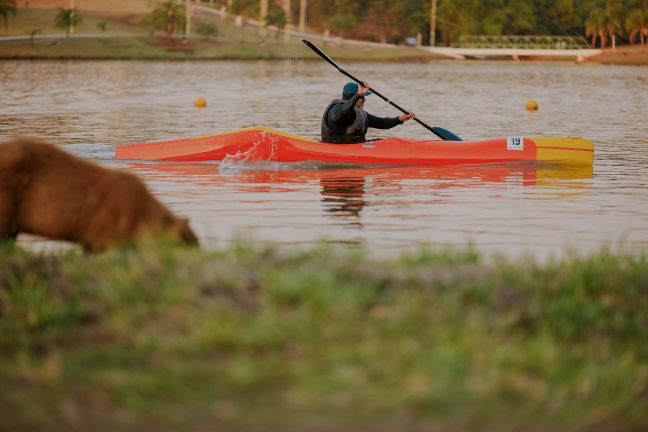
point(91, 107)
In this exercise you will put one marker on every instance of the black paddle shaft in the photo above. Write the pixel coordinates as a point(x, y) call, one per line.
point(335, 65)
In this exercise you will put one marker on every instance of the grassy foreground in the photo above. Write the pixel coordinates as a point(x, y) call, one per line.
point(251, 339)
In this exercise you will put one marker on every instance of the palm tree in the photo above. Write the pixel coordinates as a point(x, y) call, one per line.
point(454, 19)
point(613, 13)
point(342, 21)
point(613, 27)
point(595, 26)
point(168, 17)
point(637, 24)
point(103, 27)
point(7, 7)
point(276, 17)
point(67, 19)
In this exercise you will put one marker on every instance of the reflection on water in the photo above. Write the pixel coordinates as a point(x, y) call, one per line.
point(384, 208)
point(343, 196)
point(521, 208)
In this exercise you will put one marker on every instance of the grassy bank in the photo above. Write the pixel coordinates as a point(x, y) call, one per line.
point(197, 49)
point(231, 42)
point(263, 339)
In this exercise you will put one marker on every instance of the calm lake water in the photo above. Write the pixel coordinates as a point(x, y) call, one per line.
point(91, 107)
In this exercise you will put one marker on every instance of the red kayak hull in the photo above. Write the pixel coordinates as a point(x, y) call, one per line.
point(262, 144)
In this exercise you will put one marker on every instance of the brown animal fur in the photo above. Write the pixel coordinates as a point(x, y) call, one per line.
point(49, 192)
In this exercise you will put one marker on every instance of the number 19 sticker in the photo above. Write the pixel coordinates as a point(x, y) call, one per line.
point(515, 143)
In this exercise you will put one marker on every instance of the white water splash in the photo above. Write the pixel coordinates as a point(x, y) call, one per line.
point(265, 138)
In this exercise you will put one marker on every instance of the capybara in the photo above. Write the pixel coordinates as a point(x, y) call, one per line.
point(46, 191)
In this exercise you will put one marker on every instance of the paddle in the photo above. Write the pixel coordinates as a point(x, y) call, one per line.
point(440, 132)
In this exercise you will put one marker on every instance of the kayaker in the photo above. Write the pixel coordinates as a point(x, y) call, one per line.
point(345, 120)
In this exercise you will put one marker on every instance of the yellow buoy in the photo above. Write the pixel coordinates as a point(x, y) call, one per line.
point(200, 103)
point(532, 105)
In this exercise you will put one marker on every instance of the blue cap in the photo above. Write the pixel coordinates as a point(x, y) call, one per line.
point(351, 89)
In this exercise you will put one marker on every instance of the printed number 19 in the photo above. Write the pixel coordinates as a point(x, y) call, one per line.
point(515, 143)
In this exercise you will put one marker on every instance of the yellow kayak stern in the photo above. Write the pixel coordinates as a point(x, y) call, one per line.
point(571, 150)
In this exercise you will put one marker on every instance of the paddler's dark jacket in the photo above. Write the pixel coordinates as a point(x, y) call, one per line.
point(341, 114)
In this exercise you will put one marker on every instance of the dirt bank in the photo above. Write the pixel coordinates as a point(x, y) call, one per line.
point(623, 55)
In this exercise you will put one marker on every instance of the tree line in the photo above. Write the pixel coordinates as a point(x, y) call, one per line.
point(394, 20)
point(66, 18)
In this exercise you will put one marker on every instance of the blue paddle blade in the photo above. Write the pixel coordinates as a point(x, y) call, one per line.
point(446, 134)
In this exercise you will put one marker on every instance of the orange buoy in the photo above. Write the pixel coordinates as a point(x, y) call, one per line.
point(532, 105)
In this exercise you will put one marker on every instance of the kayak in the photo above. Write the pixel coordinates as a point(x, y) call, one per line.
point(258, 143)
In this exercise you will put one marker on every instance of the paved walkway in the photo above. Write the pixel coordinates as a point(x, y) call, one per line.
point(462, 53)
